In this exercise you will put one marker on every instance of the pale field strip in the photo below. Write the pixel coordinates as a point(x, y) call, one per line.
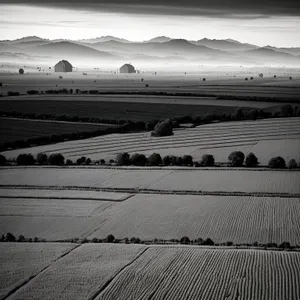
point(51, 228)
point(188, 141)
point(22, 261)
point(147, 99)
point(126, 180)
point(238, 219)
point(64, 194)
point(51, 207)
point(81, 274)
point(193, 273)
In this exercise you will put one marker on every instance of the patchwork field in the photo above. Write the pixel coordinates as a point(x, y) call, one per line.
point(218, 82)
point(212, 181)
point(23, 261)
point(96, 271)
point(22, 129)
point(81, 274)
point(219, 139)
point(222, 218)
point(113, 110)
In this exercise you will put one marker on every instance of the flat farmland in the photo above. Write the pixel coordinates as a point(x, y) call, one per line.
point(82, 273)
point(168, 180)
point(168, 272)
point(192, 273)
point(23, 129)
point(113, 110)
point(217, 82)
point(20, 262)
point(266, 138)
point(237, 219)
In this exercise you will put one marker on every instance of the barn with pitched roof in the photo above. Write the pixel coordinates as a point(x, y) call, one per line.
point(63, 66)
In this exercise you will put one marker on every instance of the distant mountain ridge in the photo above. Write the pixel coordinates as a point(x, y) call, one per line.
point(159, 48)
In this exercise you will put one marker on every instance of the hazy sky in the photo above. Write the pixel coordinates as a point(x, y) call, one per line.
point(262, 22)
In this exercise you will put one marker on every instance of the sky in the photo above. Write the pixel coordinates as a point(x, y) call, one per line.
point(264, 22)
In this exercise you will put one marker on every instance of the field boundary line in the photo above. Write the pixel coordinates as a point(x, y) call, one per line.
point(24, 283)
point(134, 191)
point(107, 283)
point(63, 198)
point(161, 168)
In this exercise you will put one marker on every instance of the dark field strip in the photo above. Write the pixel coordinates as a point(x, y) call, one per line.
point(21, 129)
point(112, 110)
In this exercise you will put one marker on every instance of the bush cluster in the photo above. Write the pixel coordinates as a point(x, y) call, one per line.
point(163, 128)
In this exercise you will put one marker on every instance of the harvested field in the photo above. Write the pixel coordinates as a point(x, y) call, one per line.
point(212, 138)
point(22, 261)
point(218, 82)
point(23, 129)
point(51, 207)
point(81, 274)
point(146, 99)
point(112, 110)
point(51, 228)
point(191, 273)
point(196, 180)
point(222, 218)
point(62, 194)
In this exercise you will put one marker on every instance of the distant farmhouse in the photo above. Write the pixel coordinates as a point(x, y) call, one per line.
point(63, 66)
point(127, 68)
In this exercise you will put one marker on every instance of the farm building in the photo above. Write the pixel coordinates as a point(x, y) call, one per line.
point(127, 68)
point(63, 66)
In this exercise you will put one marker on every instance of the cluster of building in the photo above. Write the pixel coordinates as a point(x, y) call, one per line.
point(65, 66)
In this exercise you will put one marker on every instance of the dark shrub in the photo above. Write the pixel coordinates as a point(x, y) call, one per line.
point(10, 93)
point(285, 245)
point(179, 161)
point(208, 242)
point(246, 78)
point(292, 164)
point(163, 128)
point(253, 114)
point(69, 162)
point(102, 161)
point(172, 160)
point(32, 92)
point(135, 240)
point(111, 161)
point(154, 159)
point(277, 163)
point(36, 239)
point(149, 126)
point(238, 114)
point(197, 164)
point(229, 243)
point(110, 238)
point(88, 161)
point(93, 92)
point(251, 160)
point(21, 238)
point(21, 71)
point(187, 160)
point(81, 160)
point(286, 110)
point(208, 160)
point(198, 241)
point(204, 79)
point(56, 159)
point(208, 118)
point(25, 159)
point(42, 158)
point(2, 160)
point(185, 240)
point(166, 160)
point(122, 159)
point(10, 237)
point(138, 159)
point(236, 158)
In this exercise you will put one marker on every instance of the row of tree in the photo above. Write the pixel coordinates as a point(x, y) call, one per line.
point(9, 237)
point(235, 159)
